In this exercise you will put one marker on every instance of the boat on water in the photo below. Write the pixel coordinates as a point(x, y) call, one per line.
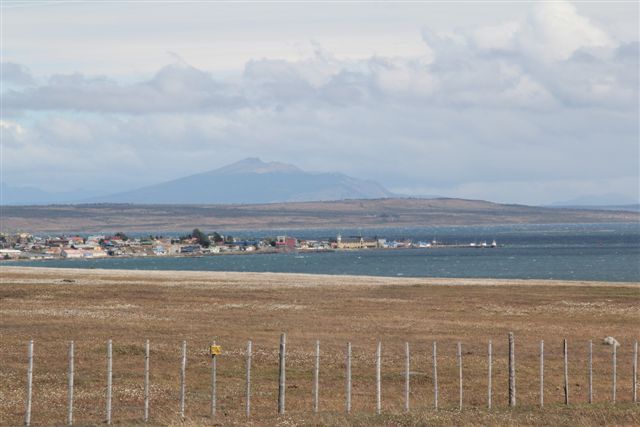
point(484, 244)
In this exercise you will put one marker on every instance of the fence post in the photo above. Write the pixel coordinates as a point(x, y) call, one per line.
point(541, 373)
point(348, 380)
point(512, 371)
point(435, 375)
point(109, 378)
point(635, 372)
point(590, 371)
point(282, 378)
point(316, 379)
point(489, 379)
point(70, 373)
point(27, 412)
point(183, 378)
point(378, 379)
point(248, 382)
point(613, 374)
point(146, 382)
point(213, 383)
point(565, 352)
point(460, 373)
point(407, 376)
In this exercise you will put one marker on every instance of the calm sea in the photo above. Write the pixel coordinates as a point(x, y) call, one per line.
point(608, 252)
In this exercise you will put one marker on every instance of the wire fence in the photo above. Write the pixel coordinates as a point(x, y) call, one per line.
point(415, 378)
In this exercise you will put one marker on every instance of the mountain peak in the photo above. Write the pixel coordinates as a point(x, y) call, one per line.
point(255, 165)
point(252, 181)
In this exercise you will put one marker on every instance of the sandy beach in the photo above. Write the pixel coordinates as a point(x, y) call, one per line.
point(53, 306)
point(269, 280)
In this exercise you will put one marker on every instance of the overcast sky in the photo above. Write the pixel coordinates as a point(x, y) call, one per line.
point(511, 102)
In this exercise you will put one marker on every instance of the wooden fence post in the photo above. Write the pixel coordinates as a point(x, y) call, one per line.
point(378, 379)
point(282, 375)
point(146, 382)
point(316, 379)
point(489, 378)
point(590, 371)
point(435, 375)
point(183, 378)
point(635, 372)
point(565, 352)
point(70, 372)
point(460, 374)
point(214, 379)
point(512, 371)
point(248, 382)
point(541, 373)
point(613, 374)
point(407, 376)
point(109, 378)
point(348, 380)
point(27, 412)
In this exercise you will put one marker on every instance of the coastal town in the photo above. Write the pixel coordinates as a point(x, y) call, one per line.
point(28, 246)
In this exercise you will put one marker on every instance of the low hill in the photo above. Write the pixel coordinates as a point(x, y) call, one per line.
point(337, 214)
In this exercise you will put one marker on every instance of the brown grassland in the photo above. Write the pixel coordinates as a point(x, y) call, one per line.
point(109, 218)
point(53, 306)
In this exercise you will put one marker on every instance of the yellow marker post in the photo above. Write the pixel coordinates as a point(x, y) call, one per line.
point(215, 350)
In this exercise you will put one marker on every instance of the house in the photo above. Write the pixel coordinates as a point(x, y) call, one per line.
point(76, 240)
point(190, 249)
point(159, 250)
point(9, 253)
point(286, 242)
point(116, 241)
point(356, 243)
point(54, 251)
point(211, 250)
point(314, 245)
point(57, 241)
point(94, 253)
point(95, 240)
point(71, 253)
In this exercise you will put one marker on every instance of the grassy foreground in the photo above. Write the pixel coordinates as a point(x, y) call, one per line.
point(53, 306)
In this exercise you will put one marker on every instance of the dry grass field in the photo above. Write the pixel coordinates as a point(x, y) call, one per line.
point(53, 306)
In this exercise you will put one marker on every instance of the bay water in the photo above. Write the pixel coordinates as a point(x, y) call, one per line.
point(600, 252)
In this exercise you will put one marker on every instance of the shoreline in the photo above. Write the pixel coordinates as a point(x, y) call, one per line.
point(294, 279)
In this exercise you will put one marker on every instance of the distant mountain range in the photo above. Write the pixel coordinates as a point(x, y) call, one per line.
point(36, 196)
point(252, 181)
point(607, 202)
point(604, 200)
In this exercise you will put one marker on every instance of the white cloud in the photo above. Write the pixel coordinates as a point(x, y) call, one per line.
point(10, 126)
point(527, 92)
point(174, 88)
point(497, 37)
point(405, 78)
point(554, 31)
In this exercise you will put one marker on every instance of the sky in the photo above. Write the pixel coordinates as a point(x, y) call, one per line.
point(517, 102)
